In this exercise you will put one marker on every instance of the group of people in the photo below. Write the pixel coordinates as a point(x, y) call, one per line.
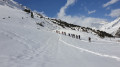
point(71, 35)
point(74, 36)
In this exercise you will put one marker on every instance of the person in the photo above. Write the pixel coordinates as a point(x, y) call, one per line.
point(79, 36)
point(56, 31)
point(89, 39)
point(72, 35)
point(68, 34)
point(64, 33)
point(76, 36)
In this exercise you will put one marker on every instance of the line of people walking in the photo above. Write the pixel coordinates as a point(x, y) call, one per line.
point(71, 35)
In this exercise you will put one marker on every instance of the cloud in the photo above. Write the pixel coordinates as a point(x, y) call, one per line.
point(84, 21)
point(110, 3)
point(90, 12)
point(108, 8)
point(42, 13)
point(115, 13)
point(63, 9)
point(79, 20)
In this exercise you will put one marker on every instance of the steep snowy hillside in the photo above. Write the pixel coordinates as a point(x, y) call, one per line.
point(112, 27)
point(11, 4)
point(28, 39)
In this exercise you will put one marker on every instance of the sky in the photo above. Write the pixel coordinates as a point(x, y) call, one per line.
point(76, 11)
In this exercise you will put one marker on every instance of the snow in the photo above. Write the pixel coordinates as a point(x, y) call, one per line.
point(12, 4)
point(25, 44)
point(112, 27)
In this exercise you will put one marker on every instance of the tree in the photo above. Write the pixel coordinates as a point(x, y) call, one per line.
point(27, 10)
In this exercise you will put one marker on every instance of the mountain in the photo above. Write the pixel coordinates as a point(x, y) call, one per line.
point(113, 27)
point(11, 4)
point(30, 39)
point(98, 25)
point(50, 21)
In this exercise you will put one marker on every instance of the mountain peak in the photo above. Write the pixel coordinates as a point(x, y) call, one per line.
point(112, 27)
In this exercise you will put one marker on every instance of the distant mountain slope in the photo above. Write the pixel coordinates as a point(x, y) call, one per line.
point(112, 27)
point(95, 32)
point(11, 3)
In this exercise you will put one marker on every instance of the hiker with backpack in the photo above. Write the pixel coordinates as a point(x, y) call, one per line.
point(89, 39)
point(79, 36)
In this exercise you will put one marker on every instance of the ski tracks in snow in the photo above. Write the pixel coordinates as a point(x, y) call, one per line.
point(89, 51)
point(45, 53)
point(31, 52)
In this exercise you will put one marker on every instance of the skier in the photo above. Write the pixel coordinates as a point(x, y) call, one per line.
point(89, 39)
point(73, 35)
point(79, 36)
point(68, 34)
point(76, 36)
point(56, 31)
point(64, 33)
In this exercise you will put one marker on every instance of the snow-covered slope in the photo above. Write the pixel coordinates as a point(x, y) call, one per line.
point(98, 25)
point(23, 43)
point(112, 27)
point(11, 4)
